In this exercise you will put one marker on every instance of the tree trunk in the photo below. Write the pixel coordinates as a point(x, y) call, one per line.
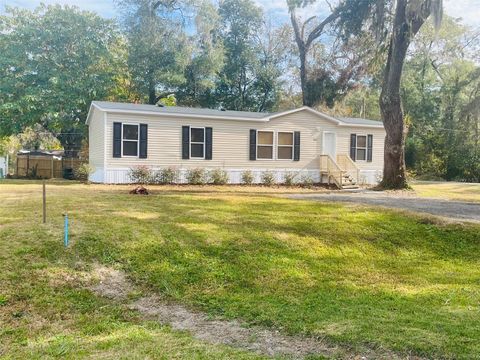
point(394, 171)
point(303, 75)
point(405, 26)
point(152, 93)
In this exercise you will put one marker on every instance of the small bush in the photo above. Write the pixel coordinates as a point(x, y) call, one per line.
point(268, 178)
point(289, 178)
point(196, 176)
point(247, 177)
point(167, 175)
point(83, 172)
point(33, 173)
point(307, 181)
point(140, 175)
point(218, 177)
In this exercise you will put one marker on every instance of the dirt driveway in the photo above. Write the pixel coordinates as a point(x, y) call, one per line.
point(453, 210)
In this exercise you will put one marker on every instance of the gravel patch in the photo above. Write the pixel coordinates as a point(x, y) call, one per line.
point(451, 210)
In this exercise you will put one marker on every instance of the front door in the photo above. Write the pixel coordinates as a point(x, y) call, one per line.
point(330, 144)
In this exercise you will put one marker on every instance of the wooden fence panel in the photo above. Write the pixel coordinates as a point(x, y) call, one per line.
point(46, 166)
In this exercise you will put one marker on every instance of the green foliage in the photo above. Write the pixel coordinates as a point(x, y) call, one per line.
point(53, 62)
point(158, 50)
point(268, 178)
point(247, 177)
point(140, 175)
point(218, 177)
point(307, 181)
point(167, 175)
point(249, 80)
point(440, 93)
point(83, 172)
point(196, 176)
point(289, 178)
point(207, 59)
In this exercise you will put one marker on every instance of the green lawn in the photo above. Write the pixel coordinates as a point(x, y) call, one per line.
point(448, 190)
point(356, 276)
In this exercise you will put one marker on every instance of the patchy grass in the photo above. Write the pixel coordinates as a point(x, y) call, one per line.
point(357, 276)
point(448, 190)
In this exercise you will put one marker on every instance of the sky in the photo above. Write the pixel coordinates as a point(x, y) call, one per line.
point(468, 10)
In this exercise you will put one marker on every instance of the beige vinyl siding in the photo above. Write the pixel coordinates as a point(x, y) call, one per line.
point(96, 143)
point(343, 145)
point(231, 141)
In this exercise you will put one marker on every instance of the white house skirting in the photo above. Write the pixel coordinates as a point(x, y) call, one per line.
point(121, 175)
point(98, 176)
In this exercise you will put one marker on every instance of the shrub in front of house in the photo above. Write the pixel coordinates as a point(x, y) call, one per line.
point(289, 178)
point(218, 177)
point(166, 176)
point(140, 175)
point(307, 181)
point(247, 177)
point(268, 178)
point(196, 176)
point(83, 172)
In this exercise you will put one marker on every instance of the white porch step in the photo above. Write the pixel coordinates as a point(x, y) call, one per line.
point(352, 186)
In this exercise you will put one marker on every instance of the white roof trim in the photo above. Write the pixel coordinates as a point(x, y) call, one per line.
point(154, 113)
point(309, 109)
point(89, 115)
point(217, 117)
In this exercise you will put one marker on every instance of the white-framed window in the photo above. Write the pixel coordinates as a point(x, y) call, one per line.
point(361, 148)
point(130, 139)
point(197, 142)
point(285, 145)
point(265, 145)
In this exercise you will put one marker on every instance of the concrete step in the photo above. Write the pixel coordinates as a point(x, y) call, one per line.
point(350, 187)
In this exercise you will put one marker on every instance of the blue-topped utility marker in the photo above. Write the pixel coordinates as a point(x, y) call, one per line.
point(65, 230)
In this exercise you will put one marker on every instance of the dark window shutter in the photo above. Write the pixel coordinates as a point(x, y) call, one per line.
point(117, 139)
point(253, 144)
point(185, 142)
point(296, 146)
point(208, 143)
point(143, 141)
point(369, 147)
point(353, 146)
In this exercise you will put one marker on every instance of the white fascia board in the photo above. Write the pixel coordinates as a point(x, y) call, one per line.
point(309, 109)
point(195, 116)
point(90, 111)
point(326, 117)
point(362, 125)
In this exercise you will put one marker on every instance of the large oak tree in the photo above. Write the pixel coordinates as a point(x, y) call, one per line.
point(53, 62)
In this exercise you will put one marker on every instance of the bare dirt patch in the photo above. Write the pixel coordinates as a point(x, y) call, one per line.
point(114, 284)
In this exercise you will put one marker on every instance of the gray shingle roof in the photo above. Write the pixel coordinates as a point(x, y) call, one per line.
point(179, 110)
point(234, 115)
point(359, 121)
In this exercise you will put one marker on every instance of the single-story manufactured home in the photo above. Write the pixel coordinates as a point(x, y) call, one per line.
point(344, 151)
